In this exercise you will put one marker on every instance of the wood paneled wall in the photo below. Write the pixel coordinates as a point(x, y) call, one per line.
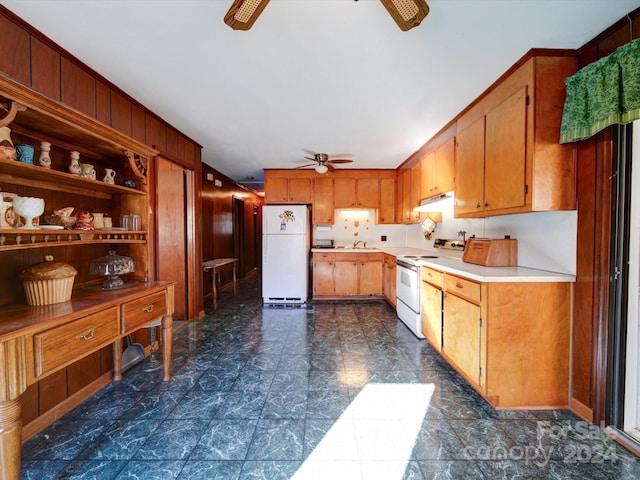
point(218, 233)
point(591, 300)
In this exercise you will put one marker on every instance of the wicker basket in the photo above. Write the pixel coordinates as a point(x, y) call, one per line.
point(48, 283)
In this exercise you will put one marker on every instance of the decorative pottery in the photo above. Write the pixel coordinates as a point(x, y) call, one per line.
point(29, 208)
point(109, 175)
point(74, 166)
point(8, 217)
point(6, 145)
point(98, 220)
point(44, 160)
point(24, 153)
point(87, 171)
point(108, 221)
point(85, 221)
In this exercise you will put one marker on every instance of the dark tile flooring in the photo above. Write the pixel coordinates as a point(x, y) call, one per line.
point(325, 391)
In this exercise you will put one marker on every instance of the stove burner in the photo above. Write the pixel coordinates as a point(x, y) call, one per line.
point(409, 256)
point(428, 256)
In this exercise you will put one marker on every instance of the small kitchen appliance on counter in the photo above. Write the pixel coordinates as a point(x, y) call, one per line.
point(323, 243)
point(491, 252)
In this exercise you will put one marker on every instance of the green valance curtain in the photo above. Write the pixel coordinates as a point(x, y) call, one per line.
point(603, 93)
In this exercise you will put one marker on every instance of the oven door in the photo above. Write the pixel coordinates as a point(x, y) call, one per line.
point(408, 285)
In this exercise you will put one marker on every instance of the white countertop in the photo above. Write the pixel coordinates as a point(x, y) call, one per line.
point(495, 274)
point(468, 270)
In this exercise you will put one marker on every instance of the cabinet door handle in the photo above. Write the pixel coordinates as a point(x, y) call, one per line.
point(148, 309)
point(88, 335)
point(459, 285)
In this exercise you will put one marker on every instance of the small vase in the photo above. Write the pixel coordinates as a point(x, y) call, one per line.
point(45, 160)
point(6, 145)
point(74, 166)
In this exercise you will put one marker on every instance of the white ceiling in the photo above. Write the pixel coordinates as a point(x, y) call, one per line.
point(334, 76)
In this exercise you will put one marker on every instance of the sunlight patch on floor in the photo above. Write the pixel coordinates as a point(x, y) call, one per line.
point(373, 438)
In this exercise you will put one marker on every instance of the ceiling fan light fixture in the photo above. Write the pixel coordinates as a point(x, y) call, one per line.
point(322, 169)
point(406, 13)
point(243, 13)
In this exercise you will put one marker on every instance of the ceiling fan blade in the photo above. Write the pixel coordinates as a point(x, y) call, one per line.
point(243, 13)
point(407, 13)
point(310, 152)
point(339, 160)
point(310, 158)
point(329, 166)
point(307, 165)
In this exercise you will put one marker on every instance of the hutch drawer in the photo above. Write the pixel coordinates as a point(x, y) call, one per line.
point(64, 344)
point(142, 311)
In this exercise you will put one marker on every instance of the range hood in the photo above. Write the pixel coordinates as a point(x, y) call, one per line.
point(436, 203)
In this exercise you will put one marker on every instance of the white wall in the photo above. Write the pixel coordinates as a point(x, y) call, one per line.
point(546, 240)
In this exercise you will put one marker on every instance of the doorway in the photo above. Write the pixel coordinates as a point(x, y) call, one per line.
point(631, 424)
point(175, 225)
point(239, 234)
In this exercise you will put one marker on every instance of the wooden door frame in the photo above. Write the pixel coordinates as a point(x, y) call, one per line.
point(193, 253)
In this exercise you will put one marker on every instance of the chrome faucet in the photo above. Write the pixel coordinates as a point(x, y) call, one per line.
point(356, 243)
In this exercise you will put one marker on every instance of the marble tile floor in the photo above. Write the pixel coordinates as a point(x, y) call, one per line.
point(325, 391)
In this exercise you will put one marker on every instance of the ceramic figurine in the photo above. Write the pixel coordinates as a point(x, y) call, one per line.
point(87, 171)
point(85, 221)
point(6, 145)
point(74, 166)
point(45, 160)
point(109, 175)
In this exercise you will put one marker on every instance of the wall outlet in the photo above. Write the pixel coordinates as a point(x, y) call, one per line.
point(383, 238)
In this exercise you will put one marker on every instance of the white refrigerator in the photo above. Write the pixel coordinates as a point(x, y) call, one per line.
point(285, 254)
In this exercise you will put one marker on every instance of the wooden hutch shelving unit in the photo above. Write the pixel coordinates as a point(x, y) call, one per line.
point(38, 343)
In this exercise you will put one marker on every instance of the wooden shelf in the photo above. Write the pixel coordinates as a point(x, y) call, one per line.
point(19, 173)
point(19, 239)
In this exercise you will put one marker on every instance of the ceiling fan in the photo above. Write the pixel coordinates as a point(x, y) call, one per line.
point(406, 13)
point(323, 162)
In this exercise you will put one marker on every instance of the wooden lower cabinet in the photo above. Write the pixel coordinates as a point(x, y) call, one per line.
point(389, 279)
point(509, 340)
point(431, 306)
point(347, 275)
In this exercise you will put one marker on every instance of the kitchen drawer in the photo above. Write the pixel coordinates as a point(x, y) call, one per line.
point(142, 311)
point(62, 345)
point(432, 276)
point(462, 287)
point(324, 257)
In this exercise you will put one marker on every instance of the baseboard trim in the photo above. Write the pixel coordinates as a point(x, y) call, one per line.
point(43, 421)
point(581, 410)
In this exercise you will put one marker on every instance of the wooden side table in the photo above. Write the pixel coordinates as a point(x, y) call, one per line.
point(215, 267)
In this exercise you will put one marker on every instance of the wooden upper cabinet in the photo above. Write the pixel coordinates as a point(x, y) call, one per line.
point(504, 161)
point(399, 201)
point(444, 177)
point(428, 170)
point(416, 192)
point(345, 193)
point(275, 189)
point(524, 167)
point(300, 190)
point(323, 201)
point(406, 196)
point(469, 194)
point(284, 187)
point(368, 192)
point(387, 210)
point(357, 192)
